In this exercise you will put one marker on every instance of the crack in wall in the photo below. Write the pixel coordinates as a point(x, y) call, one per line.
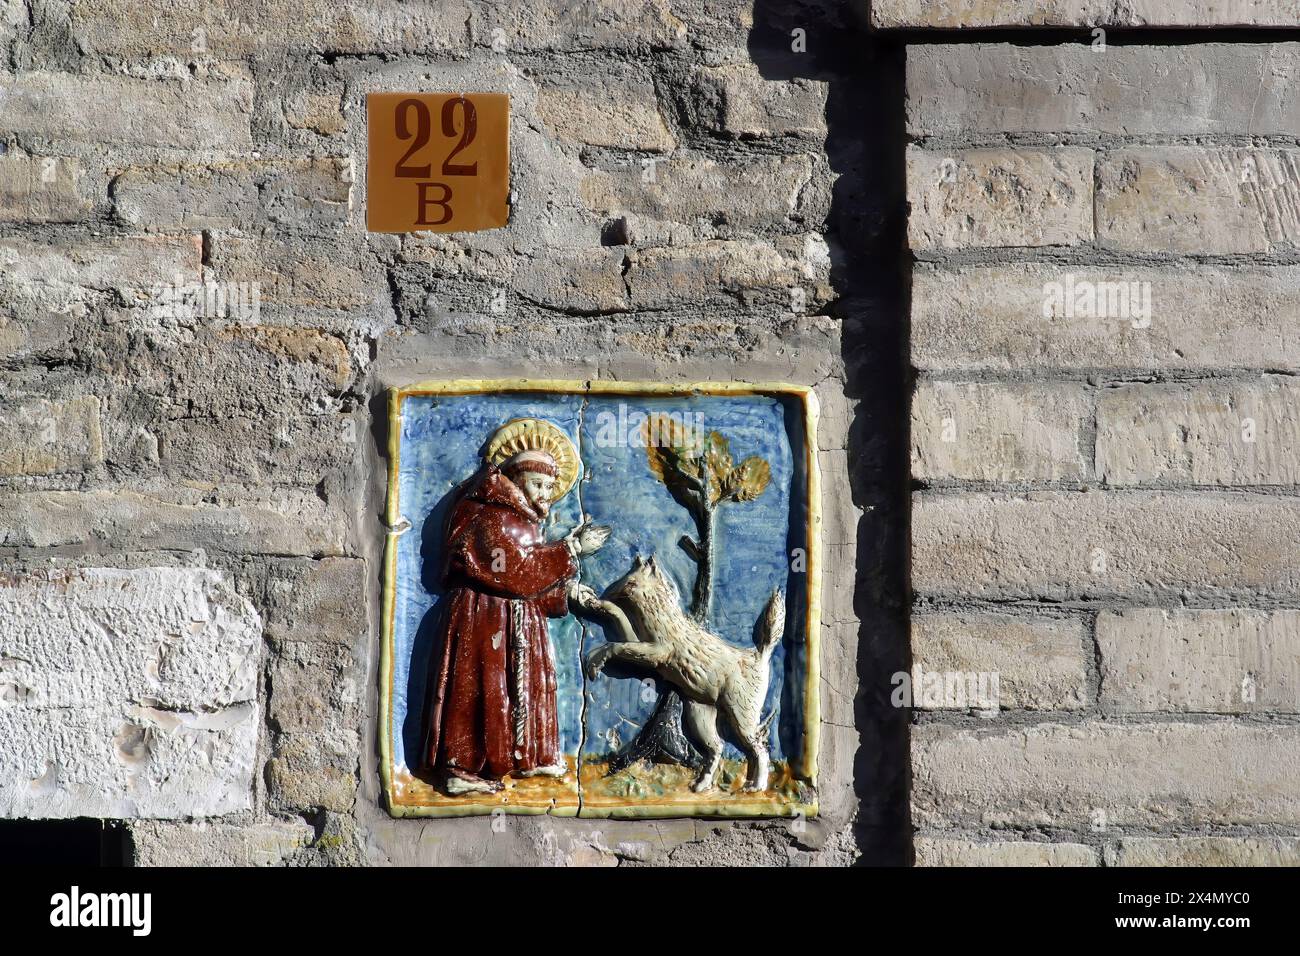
point(582, 642)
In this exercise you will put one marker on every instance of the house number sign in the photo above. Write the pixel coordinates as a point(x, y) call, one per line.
point(439, 162)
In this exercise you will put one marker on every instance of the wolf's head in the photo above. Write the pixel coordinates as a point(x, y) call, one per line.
point(646, 585)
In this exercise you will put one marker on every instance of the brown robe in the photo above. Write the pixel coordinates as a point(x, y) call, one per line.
point(492, 703)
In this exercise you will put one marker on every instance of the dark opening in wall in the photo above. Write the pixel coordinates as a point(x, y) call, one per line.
point(78, 842)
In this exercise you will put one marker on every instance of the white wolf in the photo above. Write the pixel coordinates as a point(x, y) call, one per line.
point(711, 674)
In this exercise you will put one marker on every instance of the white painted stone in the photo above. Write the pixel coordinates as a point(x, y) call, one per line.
point(1163, 90)
point(945, 851)
point(970, 14)
point(981, 431)
point(1038, 661)
point(1189, 199)
point(1090, 544)
point(986, 198)
point(1228, 661)
point(1005, 317)
point(216, 844)
point(1101, 774)
point(127, 694)
point(1234, 433)
point(1205, 851)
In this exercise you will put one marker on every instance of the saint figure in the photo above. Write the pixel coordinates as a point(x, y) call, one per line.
point(492, 697)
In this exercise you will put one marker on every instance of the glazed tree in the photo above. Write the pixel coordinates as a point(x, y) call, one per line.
point(700, 474)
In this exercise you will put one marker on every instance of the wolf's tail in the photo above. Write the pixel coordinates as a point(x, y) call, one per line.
point(772, 628)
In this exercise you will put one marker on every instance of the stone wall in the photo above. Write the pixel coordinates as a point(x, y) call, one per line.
point(679, 212)
point(1104, 431)
point(1097, 352)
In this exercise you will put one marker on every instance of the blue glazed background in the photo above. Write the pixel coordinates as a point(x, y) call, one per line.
point(440, 443)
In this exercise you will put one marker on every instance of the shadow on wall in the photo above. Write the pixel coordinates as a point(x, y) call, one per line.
point(866, 231)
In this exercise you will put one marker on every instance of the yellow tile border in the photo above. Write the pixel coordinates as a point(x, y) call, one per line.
point(739, 807)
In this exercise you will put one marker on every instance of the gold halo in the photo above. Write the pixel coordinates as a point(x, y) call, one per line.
point(534, 434)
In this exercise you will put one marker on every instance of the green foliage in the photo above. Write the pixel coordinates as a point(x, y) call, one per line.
point(698, 470)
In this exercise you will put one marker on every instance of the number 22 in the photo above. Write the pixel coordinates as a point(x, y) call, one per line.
point(423, 124)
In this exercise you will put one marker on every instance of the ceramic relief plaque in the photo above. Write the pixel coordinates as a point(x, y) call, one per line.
point(601, 599)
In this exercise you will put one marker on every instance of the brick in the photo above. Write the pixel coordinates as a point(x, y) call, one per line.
point(977, 431)
point(1089, 544)
point(13, 18)
point(319, 112)
point(1210, 661)
point(300, 776)
point(1039, 661)
point(126, 264)
point(322, 274)
point(969, 14)
point(43, 437)
point(739, 101)
point(1187, 199)
point(235, 30)
point(564, 26)
point(37, 330)
point(687, 188)
point(127, 694)
point(717, 25)
point(945, 851)
point(42, 189)
point(998, 318)
point(1101, 775)
point(660, 277)
point(602, 111)
point(1229, 89)
point(163, 843)
point(313, 709)
point(1244, 433)
point(587, 279)
point(298, 451)
point(196, 115)
point(281, 523)
point(309, 192)
point(310, 684)
point(240, 370)
point(987, 198)
point(1204, 851)
point(339, 842)
point(317, 601)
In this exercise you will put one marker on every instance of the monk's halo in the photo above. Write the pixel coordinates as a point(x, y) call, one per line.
point(536, 434)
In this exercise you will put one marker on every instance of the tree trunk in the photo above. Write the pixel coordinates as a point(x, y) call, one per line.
point(702, 596)
point(660, 739)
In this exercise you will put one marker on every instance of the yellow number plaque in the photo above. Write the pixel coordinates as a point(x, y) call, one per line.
point(439, 162)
